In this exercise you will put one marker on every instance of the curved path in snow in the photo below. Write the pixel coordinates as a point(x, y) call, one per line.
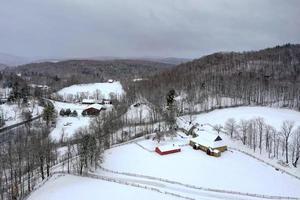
point(194, 192)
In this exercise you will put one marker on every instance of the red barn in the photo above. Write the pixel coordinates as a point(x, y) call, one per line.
point(167, 149)
point(92, 110)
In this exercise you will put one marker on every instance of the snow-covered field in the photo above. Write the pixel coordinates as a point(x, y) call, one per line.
point(73, 106)
point(272, 116)
point(139, 114)
point(93, 89)
point(12, 113)
point(232, 171)
point(67, 126)
point(78, 188)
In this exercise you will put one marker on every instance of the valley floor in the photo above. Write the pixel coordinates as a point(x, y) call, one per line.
point(234, 171)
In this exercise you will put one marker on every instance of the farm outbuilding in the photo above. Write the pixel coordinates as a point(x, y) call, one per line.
point(210, 143)
point(106, 101)
point(93, 109)
point(167, 149)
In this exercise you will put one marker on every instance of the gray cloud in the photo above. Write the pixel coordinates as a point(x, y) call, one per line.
point(180, 28)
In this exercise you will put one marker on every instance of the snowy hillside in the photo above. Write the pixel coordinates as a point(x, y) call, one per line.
point(12, 113)
point(272, 116)
point(12, 60)
point(235, 171)
point(229, 172)
point(92, 90)
point(138, 114)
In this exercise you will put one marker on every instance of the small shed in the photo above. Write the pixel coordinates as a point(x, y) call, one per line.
point(167, 149)
point(3, 100)
point(93, 109)
point(106, 101)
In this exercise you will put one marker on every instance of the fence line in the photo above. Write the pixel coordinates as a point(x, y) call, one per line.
point(261, 160)
point(201, 188)
point(114, 180)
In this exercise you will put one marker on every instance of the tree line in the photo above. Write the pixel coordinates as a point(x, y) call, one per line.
point(264, 138)
point(25, 159)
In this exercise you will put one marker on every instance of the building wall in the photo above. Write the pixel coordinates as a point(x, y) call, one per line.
point(92, 111)
point(166, 152)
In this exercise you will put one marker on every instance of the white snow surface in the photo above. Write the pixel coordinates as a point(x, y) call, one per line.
point(168, 147)
point(140, 114)
point(12, 113)
point(208, 140)
point(232, 171)
point(272, 116)
point(67, 126)
point(78, 188)
point(91, 88)
point(95, 106)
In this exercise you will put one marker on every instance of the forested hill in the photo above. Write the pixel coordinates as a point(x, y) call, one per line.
point(2, 66)
point(64, 73)
point(258, 77)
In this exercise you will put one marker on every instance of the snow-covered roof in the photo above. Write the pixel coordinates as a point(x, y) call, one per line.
point(168, 147)
point(137, 79)
point(88, 100)
point(95, 106)
point(106, 100)
point(209, 140)
point(187, 126)
point(39, 86)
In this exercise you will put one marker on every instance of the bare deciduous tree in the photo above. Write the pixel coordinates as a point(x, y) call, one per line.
point(286, 131)
point(243, 127)
point(218, 128)
point(230, 127)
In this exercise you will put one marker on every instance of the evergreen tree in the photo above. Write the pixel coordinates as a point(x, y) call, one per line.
point(74, 113)
point(170, 97)
point(62, 112)
point(49, 113)
point(2, 122)
point(68, 112)
point(170, 115)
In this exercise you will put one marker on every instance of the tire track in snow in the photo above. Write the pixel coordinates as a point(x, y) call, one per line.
point(193, 187)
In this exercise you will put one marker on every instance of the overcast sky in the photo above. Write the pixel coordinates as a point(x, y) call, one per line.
point(137, 28)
